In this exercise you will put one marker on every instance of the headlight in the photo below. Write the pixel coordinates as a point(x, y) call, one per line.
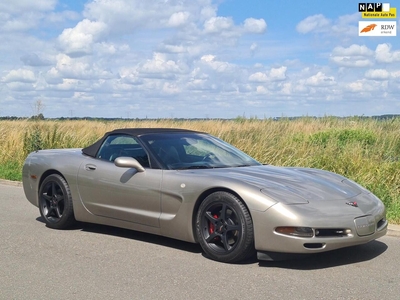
point(296, 231)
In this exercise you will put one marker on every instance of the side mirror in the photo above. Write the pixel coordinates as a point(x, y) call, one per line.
point(128, 162)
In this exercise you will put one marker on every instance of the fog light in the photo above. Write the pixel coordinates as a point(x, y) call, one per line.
point(296, 231)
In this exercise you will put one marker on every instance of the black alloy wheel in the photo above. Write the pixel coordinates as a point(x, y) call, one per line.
point(224, 228)
point(55, 202)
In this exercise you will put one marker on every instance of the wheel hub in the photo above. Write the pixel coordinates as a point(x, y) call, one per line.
point(54, 201)
point(221, 227)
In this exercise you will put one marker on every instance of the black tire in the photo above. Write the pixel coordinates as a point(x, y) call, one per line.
point(55, 202)
point(224, 228)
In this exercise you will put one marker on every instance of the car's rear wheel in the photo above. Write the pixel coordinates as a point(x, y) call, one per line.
point(224, 228)
point(55, 202)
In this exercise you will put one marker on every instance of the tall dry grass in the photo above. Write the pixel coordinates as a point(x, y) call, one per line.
point(365, 150)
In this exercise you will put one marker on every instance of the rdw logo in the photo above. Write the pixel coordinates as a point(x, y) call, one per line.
point(377, 28)
point(387, 27)
point(368, 28)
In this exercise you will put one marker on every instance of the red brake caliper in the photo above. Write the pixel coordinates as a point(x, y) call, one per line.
point(211, 226)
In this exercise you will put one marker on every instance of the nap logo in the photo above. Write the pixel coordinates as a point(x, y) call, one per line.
point(370, 7)
point(377, 28)
point(377, 10)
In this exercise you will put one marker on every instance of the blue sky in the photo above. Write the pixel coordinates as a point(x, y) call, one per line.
point(194, 59)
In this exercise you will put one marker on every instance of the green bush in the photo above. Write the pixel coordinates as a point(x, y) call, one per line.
point(33, 141)
point(343, 137)
point(11, 170)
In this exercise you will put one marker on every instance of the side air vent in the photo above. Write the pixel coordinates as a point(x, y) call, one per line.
point(381, 223)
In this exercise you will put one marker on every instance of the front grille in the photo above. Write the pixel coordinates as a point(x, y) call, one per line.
point(332, 232)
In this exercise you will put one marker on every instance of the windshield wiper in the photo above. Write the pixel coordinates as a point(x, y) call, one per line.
point(195, 167)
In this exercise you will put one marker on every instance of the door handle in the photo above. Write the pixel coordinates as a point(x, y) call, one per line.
point(90, 167)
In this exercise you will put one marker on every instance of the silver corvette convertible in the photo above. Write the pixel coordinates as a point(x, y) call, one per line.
point(191, 186)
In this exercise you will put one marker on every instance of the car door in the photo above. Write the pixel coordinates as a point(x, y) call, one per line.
point(121, 193)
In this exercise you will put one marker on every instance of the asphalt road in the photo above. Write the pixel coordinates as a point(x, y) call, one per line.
point(99, 262)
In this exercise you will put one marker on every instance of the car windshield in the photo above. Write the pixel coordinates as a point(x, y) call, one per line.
point(179, 151)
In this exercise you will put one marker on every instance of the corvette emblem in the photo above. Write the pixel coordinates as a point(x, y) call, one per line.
point(354, 204)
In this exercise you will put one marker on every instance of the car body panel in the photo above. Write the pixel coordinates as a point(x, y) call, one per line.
point(120, 193)
point(163, 201)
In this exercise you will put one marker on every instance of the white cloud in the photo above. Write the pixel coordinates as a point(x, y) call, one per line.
point(358, 56)
point(395, 74)
point(316, 23)
point(278, 73)
point(258, 77)
point(255, 25)
point(219, 66)
point(68, 85)
point(35, 60)
point(377, 74)
point(83, 96)
point(178, 19)
point(20, 86)
point(170, 88)
point(160, 64)
point(218, 25)
point(130, 76)
point(208, 58)
point(286, 88)
point(342, 27)
point(125, 16)
point(262, 90)
point(353, 50)
point(364, 86)
point(173, 48)
point(207, 11)
point(23, 15)
point(320, 80)
point(275, 74)
point(348, 61)
point(18, 6)
point(19, 24)
point(20, 75)
point(346, 25)
point(79, 40)
point(74, 68)
point(384, 54)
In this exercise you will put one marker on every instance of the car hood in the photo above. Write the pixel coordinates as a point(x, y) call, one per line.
point(294, 185)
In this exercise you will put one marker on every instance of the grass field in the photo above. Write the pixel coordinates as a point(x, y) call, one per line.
point(365, 150)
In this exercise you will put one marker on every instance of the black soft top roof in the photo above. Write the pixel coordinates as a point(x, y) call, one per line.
point(92, 149)
point(140, 131)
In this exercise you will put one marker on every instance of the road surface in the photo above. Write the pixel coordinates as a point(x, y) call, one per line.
point(99, 262)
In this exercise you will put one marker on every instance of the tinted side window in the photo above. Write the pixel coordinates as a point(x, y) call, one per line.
point(122, 145)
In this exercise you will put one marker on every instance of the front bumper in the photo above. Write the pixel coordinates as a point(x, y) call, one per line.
point(360, 228)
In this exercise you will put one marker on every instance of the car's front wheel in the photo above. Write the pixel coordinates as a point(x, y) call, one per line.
point(224, 228)
point(55, 202)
